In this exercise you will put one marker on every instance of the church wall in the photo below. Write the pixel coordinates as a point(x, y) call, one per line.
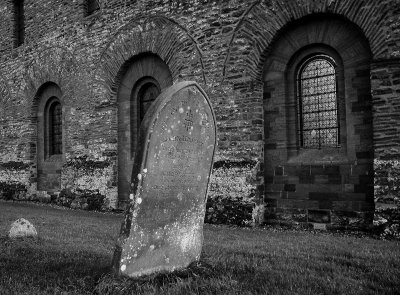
point(64, 46)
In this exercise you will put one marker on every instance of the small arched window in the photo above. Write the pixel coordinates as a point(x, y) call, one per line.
point(145, 91)
point(19, 23)
point(148, 92)
point(54, 128)
point(318, 103)
point(92, 6)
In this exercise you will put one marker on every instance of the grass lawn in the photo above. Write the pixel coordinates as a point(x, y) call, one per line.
point(75, 248)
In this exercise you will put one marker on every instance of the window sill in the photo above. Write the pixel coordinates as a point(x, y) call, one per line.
point(54, 158)
point(319, 156)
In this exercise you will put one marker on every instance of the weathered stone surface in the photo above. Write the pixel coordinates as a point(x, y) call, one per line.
point(163, 227)
point(22, 228)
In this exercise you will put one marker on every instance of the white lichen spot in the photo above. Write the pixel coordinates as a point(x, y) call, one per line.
point(181, 110)
point(135, 255)
point(179, 121)
point(199, 177)
point(145, 170)
point(166, 260)
point(131, 196)
point(139, 200)
point(123, 267)
point(152, 247)
point(179, 196)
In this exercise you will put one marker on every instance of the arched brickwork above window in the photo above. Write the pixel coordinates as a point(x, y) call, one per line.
point(159, 35)
point(59, 65)
point(263, 22)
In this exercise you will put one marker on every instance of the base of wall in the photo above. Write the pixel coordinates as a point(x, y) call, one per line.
point(319, 219)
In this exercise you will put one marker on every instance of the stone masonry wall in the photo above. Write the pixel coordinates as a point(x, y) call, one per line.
point(222, 44)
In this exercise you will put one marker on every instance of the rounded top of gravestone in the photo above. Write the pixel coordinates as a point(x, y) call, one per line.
point(22, 228)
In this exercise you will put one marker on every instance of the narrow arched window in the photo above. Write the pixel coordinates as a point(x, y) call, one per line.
point(92, 6)
point(19, 23)
point(145, 91)
point(318, 103)
point(148, 92)
point(55, 128)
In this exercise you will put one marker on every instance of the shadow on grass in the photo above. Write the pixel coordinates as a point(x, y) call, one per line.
point(179, 280)
point(35, 266)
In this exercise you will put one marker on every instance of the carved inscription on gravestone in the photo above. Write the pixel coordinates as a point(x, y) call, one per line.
point(163, 226)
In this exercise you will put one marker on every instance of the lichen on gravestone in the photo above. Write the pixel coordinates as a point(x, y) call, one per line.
point(163, 225)
point(22, 228)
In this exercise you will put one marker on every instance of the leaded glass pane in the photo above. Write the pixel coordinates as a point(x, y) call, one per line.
point(318, 109)
point(55, 129)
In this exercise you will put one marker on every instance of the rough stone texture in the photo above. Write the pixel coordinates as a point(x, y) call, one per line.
point(163, 226)
point(22, 228)
point(224, 45)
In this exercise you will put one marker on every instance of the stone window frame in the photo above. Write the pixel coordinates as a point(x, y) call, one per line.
point(18, 8)
point(50, 136)
point(136, 100)
point(292, 70)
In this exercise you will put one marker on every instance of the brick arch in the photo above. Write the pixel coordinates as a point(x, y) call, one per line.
point(56, 64)
point(265, 20)
point(160, 35)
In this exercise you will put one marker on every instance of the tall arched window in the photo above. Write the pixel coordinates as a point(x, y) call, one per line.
point(91, 7)
point(54, 127)
point(144, 92)
point(148, 92)
point(19, 23)
point(318, 103)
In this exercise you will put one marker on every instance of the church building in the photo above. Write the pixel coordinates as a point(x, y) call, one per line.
point(306, 95)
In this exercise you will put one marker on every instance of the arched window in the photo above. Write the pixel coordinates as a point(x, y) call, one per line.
point(19, 24)
point(54, 127)
point(318, 103)
point(92, 6)
point(148, 92)
point(144, 92)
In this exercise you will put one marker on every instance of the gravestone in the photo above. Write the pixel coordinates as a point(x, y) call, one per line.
point(163, 225)
point(22, 228)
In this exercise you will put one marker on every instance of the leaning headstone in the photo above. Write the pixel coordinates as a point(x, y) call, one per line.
point(22, 228)
point(163, 226)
